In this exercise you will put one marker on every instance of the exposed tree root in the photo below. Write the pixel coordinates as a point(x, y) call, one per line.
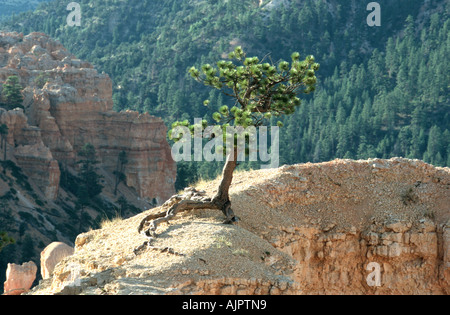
point(193, 199)
point(190, 200)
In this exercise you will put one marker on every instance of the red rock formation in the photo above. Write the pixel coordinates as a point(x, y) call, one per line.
point(26, 146)
point(19, 278)
point(70, 104)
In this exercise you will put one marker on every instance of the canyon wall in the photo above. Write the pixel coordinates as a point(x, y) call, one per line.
point(67, 104)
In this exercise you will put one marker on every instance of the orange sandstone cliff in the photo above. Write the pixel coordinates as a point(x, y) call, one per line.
point(67, 104)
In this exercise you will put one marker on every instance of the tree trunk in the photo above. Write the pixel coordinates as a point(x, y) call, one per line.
point(222, 197)
point(80, 225)
point(4, 149)
point(117, 174)
point(116, 184)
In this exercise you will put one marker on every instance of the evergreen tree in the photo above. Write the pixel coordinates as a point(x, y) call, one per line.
point(12, 93)
point(434, 146)
point(119, 172)
point(260, 90)
point(28, 251)
point(90, 181)
point(398, 73)
point(89, 186)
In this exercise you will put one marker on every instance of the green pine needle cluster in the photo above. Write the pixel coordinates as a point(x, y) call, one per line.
point(260, 90)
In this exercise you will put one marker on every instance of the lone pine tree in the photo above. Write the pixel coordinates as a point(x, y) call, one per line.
point(261, 90)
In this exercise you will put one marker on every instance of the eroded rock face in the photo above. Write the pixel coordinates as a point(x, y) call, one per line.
point(339, 261)
point(444, 272)
point(67, 104)
point(339, 219)
point(25, 145)
point(19, 278)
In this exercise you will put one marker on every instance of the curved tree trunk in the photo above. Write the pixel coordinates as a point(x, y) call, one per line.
point(222, 197)
point(221, 201)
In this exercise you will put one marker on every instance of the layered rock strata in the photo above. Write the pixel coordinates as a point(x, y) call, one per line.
point(67, 104)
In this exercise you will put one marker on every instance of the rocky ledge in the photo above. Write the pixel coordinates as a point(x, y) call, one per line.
point(342, 227)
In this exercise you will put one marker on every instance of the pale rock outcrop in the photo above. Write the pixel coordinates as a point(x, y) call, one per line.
point(19, 278)
point(67, 104)
point(52, 255)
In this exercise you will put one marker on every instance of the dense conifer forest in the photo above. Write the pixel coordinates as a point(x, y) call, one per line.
point(382, 91)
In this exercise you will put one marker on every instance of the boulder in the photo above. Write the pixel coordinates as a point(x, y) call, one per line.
point(19, 278)
point(52, 255)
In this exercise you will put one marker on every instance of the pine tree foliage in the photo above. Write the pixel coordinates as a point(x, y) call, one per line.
point(12, 93)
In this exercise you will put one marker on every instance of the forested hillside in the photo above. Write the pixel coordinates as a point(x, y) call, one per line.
point(382, 91)
point(10, 7)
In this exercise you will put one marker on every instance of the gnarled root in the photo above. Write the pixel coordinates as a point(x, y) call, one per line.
point(190, 200)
